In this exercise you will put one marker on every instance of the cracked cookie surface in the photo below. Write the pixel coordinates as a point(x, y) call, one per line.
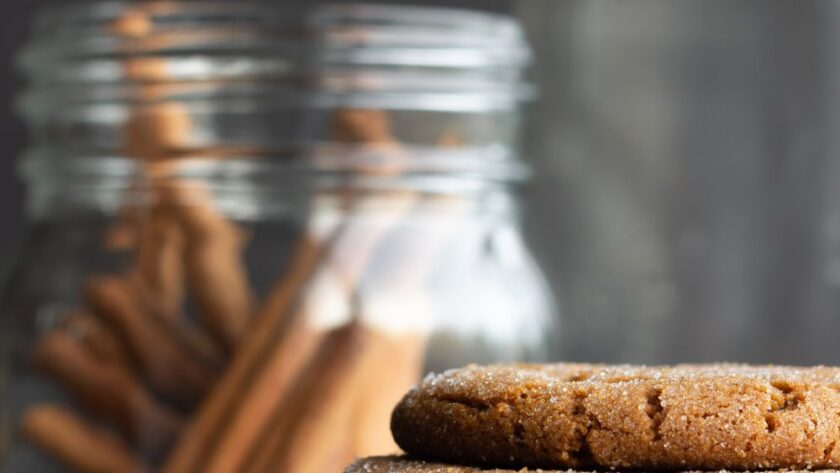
point(408, 465)
point(688, 417)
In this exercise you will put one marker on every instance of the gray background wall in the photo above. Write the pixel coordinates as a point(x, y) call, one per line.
point(686, 206)
point(12, 131)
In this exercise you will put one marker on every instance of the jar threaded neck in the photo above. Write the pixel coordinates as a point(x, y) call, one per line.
point(377, 95)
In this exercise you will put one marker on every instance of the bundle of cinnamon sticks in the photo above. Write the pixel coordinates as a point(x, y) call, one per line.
point(289, 383)
point(300, 381)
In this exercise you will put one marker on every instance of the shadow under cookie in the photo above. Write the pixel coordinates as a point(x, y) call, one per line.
point(408, 465)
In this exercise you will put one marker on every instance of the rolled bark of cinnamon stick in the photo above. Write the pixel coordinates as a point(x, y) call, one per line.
point(76, 445)
point(160, 265)
point(168, 366)
point(397, 366)
point(109, 392)
point(313, 422)
point(183, 241)
point(217, 280)
point(155, 131)
point(276, 378)
point(402, 282)
point(133, 23)
point(367, 127)
point(209, 423)
point(122, 234)
point(194, 342)
point(349, 253)
point(99, 340)
point(216, 275)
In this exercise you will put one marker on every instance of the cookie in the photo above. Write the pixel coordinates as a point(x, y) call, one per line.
point(690, 417)
point(407, 465)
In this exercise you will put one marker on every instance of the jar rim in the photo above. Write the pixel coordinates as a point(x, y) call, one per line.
point(351, 56)
point(93, 15)
point(387, 33)
point(363, 54)
point(65, 13)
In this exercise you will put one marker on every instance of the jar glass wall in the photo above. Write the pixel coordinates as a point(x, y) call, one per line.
point(244, 268)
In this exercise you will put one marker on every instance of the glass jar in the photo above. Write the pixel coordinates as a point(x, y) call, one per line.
point(253, 229)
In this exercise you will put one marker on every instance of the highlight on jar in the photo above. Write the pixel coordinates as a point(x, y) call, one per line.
point(253, 228)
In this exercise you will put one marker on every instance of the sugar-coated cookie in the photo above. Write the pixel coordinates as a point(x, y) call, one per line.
point(688, 417)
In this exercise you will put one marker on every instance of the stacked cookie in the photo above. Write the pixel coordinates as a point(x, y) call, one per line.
point(594, 417)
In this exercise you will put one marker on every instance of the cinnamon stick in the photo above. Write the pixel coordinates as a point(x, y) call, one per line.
point(122, 234)
point(135, 22)
point(193, 341)
point(209, 423)
point(169, 367)
point(216, 275)
point(276, 378)
point(159, 262)
point(155, 131)
point(396, 367)
point(314, 420)
point(99, 339)
point(348, 263)
point(337, 276)
point(109, 392)
point(180, 242)
point(367, 127)
point(76, 445)
point(401, 275)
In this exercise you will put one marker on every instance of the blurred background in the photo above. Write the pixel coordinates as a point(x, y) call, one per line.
point(685, 205)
